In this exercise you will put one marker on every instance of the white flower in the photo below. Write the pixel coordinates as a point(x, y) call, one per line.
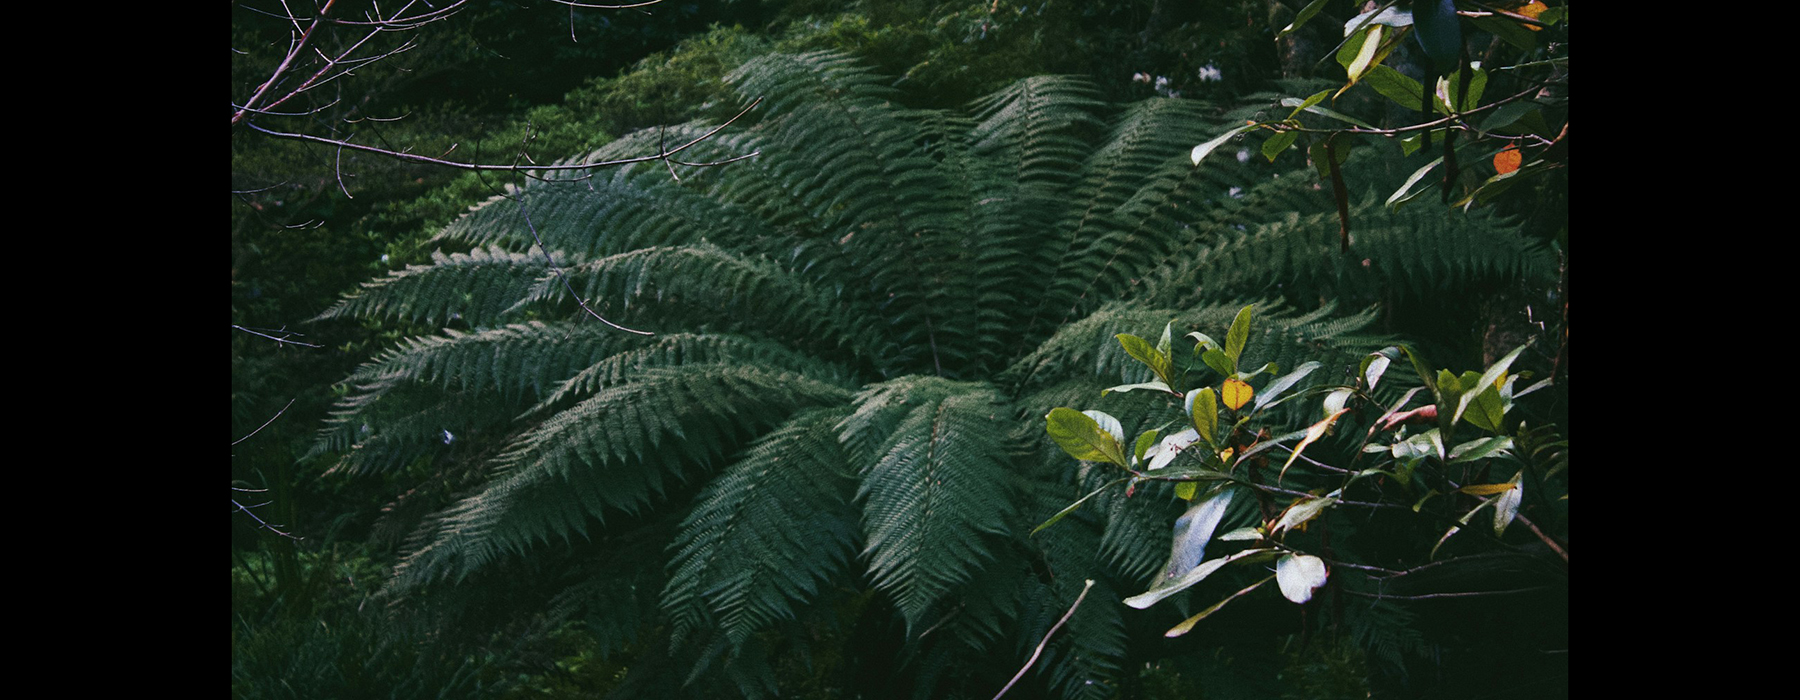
point(1210, 74)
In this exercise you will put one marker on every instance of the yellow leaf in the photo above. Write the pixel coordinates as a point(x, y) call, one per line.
point(1488, 489)
point(1186, 490)
point(1507, 160)
point(1236, 393)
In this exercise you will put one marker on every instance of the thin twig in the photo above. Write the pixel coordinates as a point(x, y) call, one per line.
point(665, 155)
point(266, 423)
point(260, 520)
point(1463, 594)
point(565, 280)
point(278, 340)
point(1546, 538)
point(1046, 640)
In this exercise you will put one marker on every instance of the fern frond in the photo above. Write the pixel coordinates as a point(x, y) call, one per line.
point(605, 213)
point(1141, 163)
point(670, 350)
point(515, 360)
point(479, 288)
point(1414, 253)
point(766, 532)
point(616, 451)
point(933, 492)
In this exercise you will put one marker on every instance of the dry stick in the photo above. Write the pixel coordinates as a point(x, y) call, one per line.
point(270, 337)
point(564, 278)
point(267, 422)
point(287, 61)
point(666, 155)
point(1040, 646)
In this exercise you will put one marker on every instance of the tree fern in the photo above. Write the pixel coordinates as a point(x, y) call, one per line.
point(858, 334)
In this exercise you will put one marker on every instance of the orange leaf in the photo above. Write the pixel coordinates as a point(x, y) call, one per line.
point(1532, 9)
point(1507, 160)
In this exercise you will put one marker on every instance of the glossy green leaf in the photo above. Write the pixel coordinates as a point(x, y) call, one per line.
point(1450, 88)
point(1283, 383)
point(1077, 504)
point(1299, 575)
point(1479, 449)
point(1269, 443)
point(1203, 411)
point(1169, 587)
point(1203, 150)
point(1368, 53)
point(1488, 409)
point(1395, 86)
point(1336, 400)
point(1157, 385)
point(1144, 443)
point(1388, 16)
point(1323, 112)
point(1267, 367)
point(1406, 193)
point(1310, 101)
point(1506, 115)
point(1083, 436)
point(1303, 509)
point(1318, 155)
point(1506, 505)
point(1488, 380)
point(1170, 447)
point(1194, 530)
point(1237, 336)
point(1219, 362)
point(1373, 367)
point(1302, 17)
point(1273, 147)
point(1508, 30)
point(1142, 351)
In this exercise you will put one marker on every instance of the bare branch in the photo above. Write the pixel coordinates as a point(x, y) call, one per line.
point(1046, 640)
point(282, 339)
point(413, 157)
point(564, 278)
point(239, 507)
point(591, 6)
point(264, 425)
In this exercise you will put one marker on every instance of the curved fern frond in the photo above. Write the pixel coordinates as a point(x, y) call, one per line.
point(618, 451)
point(676, 349)
point(933, 492)
point(516, 360)
point(605, 213)
point(1415, 253)
point(479, 288)
point(722, 286)
point(766, 532)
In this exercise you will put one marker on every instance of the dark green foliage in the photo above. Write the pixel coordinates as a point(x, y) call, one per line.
point(858, 334)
